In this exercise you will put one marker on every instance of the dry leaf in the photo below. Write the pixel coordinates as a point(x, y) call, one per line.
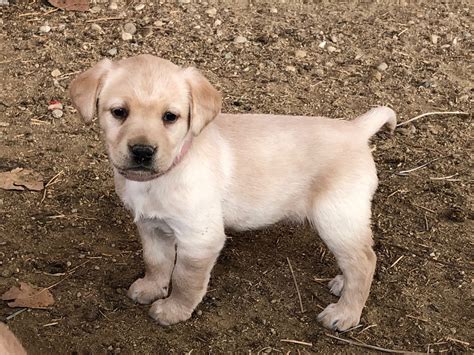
point(71, 5)
point(19, 179)
point(28, 296)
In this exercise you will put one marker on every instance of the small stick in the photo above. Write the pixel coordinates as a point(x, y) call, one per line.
point(368, 327)
point(104, 19)
point(296, 342)
point(406, 172)
point(368, 346)
point(444, 177)
point(50, 12)
point(13, 315)
point(50, 324)
point(458, 341)
point(351, 329)
point(423, 208)
point(396, 262)
point(49, 183)
point(296, 285)
point(432, 114)
point(406, 29)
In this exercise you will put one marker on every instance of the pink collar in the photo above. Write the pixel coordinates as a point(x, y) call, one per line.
point(184, 149)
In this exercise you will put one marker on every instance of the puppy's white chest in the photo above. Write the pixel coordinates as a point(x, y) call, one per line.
point(143, 201)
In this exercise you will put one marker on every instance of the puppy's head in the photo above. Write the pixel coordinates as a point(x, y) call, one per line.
point(148, 108)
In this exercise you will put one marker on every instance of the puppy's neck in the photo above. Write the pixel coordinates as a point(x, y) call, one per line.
point(184, 149)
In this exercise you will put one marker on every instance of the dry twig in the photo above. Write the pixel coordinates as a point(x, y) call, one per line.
point(296, 285)
point(431, 114)
point(102, 19)
point(368, 346)
point(406, 172)
point(296, 342)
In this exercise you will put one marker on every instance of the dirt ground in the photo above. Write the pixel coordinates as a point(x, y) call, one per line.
point(80, 239)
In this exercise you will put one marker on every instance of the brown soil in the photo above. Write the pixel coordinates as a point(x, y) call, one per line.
point(81, 238)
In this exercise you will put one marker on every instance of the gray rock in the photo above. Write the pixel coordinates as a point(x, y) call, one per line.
point(45, 29)
point(130, 28)
point(434, 39)
point(139, 7)
point(211, 12)
point(112, 51)
point(382, 66)
point(240, 39)
point(57, 113)
point(300, 53)
point(127, 36)
point(96, 28)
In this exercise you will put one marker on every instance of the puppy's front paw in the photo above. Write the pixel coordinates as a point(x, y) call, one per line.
point(145, 291)
point(339, 317)
point(168, 311)
point(336, 285)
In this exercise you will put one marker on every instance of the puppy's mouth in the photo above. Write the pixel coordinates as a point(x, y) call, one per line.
point(139, 173)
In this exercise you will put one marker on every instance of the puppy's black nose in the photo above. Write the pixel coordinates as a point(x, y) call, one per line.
point(142, 153)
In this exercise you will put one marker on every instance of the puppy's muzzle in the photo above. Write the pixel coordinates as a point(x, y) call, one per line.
point(142, 154)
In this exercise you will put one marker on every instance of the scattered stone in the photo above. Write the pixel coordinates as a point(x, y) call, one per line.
point(184, 1)
point(57, 113)
point(4, 124)
point(322, 44)
point(55, 73)
point(78, 295)
point(217, 23)
point(228, 55)
point(377, 76)
point(55, 106)
point(139, 7)
point(127, 36)
point(199, 313)
point(382, 66)
point(300, 53)
point(96, 28)
point(274, 10)
point(158, 23)
point(331, 49)
point(211, 12)
point(130, 28)
point(240, 39)
point(68, 263)
point(455, 41)
point(290, 68)
point(45, 29)
point(95, 10)
point(333, 38)
point(113, 6)
point(434, 39)
point(61, 27)
point(112, 51)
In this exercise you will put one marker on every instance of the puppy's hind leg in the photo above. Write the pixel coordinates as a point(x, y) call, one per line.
point(342, 219)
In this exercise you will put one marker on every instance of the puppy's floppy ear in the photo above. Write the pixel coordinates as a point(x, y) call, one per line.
point(205, 100)
point(84, 90)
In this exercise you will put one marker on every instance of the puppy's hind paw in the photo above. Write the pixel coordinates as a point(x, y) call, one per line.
point(336, 285)
point(339, 317)
point(168, 312)
point(145, 291)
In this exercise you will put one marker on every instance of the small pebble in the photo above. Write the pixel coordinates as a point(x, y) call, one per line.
point(228, 55)
point(6, 273)
point(130, 28)
point(113, 6)
point(4, 124)
point(127, 36)
point(378, 76)
point(112, 51)
point(158, 23)
point(300, 53)
point(333, 38)
point(45, 29)
point(96, 268)
point(211, 12)
point(68, 264)
point(274, 10)
point(139, 7)
point(78, 295)
point(95, 10)
point(322, 44)
point(290, 68)
point(331, 49)
point(96, 28)
point(240, 39)
point(217, 23)
point(57, 113)
point(434, 39)
point(55, 73)
point(382, 66)
point(199, 313)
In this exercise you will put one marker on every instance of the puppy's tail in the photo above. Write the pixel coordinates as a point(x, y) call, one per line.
point(372, 121)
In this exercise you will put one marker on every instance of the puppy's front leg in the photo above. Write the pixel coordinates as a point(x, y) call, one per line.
point(196, 255)
point(159, 256)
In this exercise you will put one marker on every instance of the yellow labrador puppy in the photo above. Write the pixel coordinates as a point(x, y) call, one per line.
point(185, 171)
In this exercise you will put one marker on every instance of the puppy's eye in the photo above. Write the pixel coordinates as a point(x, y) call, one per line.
point(169, 117)
point(119, 113)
